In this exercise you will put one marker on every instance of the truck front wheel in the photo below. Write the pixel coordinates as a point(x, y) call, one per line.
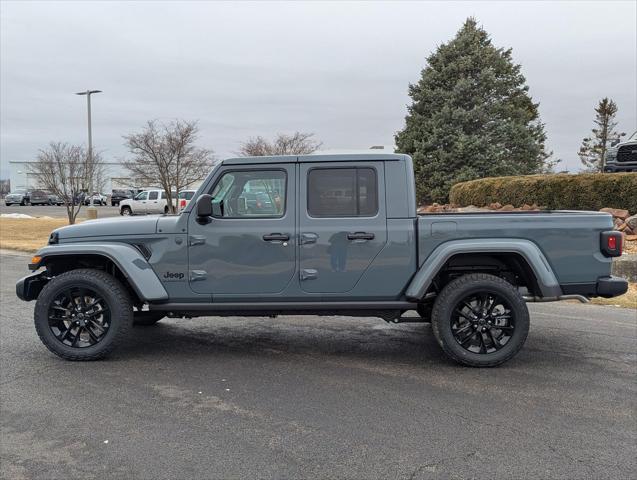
point(480, 320)
point(83, 314)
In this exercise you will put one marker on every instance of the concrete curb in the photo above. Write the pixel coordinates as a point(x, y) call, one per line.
point(626, 266)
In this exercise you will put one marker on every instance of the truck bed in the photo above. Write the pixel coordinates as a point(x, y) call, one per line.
point(568, 239)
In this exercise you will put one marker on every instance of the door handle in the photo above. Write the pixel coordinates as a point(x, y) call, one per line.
point(360, 236)
point(276, 237)
point(307, 238)
point(309, 274)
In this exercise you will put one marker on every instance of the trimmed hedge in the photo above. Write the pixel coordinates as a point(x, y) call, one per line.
point(588, 191)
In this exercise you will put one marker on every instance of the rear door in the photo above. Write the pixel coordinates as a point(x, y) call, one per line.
point(153, 201)
point(342, 224)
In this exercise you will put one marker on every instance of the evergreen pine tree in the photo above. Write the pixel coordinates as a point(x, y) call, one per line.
point(592, 153)
point(471, 117)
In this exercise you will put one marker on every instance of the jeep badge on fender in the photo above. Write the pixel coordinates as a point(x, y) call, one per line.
point(173, 276)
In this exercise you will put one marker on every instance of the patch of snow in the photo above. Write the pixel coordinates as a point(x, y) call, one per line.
point(15, 215)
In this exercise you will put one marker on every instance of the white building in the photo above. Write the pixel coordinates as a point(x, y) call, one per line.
point(116, 176)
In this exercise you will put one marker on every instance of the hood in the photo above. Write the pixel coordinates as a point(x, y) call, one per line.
point(118, 226)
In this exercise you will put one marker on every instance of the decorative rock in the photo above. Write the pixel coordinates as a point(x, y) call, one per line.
point(632, 222)
point(495, 206)
point(617, 212)
point(507, 208)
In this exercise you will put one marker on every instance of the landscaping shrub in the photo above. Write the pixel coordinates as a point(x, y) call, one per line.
point(557, 192)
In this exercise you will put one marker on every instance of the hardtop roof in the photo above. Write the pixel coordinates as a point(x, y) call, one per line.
point(315, 158)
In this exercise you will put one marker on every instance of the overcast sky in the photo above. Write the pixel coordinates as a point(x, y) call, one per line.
point(340, 70)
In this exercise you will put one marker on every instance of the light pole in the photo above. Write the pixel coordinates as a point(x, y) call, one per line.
point(88, 94)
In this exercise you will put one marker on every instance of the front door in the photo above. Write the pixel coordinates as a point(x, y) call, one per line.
point(140, 203)
point(343, 224)
point(248, 247)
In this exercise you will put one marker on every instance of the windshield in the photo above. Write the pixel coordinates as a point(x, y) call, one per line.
point(633, 137)
point(18, 192)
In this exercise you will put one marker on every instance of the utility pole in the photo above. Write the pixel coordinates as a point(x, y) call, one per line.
point(88, 94)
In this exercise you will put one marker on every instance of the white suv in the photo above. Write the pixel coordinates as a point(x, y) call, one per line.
point(148, 201)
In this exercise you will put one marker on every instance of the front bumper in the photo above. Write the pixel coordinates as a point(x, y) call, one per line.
point(619, 167)
point(611, 286)
point(29, 287)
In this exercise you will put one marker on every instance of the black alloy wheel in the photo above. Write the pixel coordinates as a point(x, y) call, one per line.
point(83, 314)
point(79, 317)
point(480, 320)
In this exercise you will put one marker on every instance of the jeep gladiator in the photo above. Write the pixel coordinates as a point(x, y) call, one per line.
point(318, 235)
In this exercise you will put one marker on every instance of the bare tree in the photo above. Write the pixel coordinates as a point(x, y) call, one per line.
point(165, 154)
point(299, 143)
point(5, 187)
point(67, 170)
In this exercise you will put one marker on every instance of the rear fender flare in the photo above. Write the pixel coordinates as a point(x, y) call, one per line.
point(128, 259)
point(546, 280)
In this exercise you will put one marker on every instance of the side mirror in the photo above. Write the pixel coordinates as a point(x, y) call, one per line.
point(614, 142)
point(204, 206)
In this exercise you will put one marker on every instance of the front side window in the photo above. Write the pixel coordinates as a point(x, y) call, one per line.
point(142, 196)
point(250, 193)
point(342, 192)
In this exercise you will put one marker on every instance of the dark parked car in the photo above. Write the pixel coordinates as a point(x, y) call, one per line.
point(54, 199)
point(622, 157)
point(39, 197)
point(342, 238)
point(119, 195)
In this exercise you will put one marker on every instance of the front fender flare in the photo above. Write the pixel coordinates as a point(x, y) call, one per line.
point(128, 259)
point(544, 275)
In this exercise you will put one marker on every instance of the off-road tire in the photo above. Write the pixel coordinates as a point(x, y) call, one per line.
point(127, 209)
point(114, 294)
point(463, 287)
point(147, 319)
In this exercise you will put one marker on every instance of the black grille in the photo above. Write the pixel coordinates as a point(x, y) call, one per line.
point(627, 153)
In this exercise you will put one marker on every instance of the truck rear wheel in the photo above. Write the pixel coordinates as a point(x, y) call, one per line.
point(83, 314)
point(480, 320)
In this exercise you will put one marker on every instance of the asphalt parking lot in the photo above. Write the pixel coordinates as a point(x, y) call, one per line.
point(314, 397)
point(55, 211)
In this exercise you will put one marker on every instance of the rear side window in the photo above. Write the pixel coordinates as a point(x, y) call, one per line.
point(153, 196)
point(342, 192)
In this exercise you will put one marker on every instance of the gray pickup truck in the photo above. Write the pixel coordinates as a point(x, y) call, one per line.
point(318, 235)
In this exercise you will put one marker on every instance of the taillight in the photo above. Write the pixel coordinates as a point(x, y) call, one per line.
point(611, 243)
